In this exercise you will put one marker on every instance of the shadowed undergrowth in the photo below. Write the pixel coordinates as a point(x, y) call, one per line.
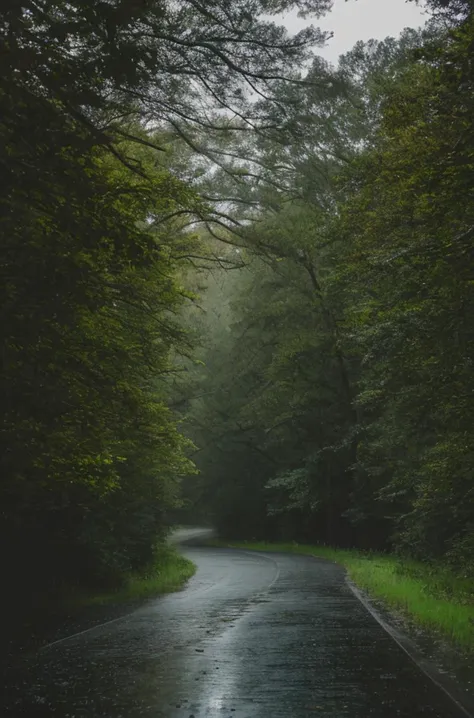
point(169, 573)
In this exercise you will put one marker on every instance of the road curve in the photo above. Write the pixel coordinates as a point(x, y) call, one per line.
point(253, 635)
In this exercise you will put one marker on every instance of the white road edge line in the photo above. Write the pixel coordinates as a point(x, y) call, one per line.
point(127, 615)
point(409, 648)
point(268, 558)
point(81, 633)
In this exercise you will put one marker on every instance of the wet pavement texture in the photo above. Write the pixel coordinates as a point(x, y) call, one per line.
point(253, 635)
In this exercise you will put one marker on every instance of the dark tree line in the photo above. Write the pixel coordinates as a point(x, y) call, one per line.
point(337, 404)
point(99, 104)
point(209, 233)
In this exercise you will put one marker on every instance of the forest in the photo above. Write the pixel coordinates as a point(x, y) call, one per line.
point(237, 284)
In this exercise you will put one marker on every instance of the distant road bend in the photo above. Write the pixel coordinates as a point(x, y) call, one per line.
point(253, 635)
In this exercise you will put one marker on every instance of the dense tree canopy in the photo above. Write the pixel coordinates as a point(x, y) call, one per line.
point(222, 252)
point(338, 405)
point(96, 229)
point(87, 293)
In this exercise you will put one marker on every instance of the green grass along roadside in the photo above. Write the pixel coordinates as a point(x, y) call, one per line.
point(430, 596)
point(39, 618)
point(169, 573)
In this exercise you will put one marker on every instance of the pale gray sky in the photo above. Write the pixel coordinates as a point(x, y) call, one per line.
point(361, 20)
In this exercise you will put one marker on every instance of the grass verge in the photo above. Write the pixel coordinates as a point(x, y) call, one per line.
point(431, 596)
point(169, 573)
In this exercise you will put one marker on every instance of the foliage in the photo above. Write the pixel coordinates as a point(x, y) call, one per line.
point(408, 227)
point(344, 373)
point(276, 406)
point(90, 452)
point(177, 66)
point(167, 572)
point(209, 231)
point(100, 103)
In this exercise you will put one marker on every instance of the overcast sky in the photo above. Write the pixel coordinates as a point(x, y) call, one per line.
point(361, 20)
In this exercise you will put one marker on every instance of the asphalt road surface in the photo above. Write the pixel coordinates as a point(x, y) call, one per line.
point(253, 635)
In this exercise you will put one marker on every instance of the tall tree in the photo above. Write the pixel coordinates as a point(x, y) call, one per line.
point(368, 273)
point(96, 229)
point(409, 227)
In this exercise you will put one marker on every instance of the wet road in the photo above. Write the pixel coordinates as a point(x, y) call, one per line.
point(252, 636)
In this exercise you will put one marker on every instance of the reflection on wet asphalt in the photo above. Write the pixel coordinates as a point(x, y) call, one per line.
point(252, 636)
